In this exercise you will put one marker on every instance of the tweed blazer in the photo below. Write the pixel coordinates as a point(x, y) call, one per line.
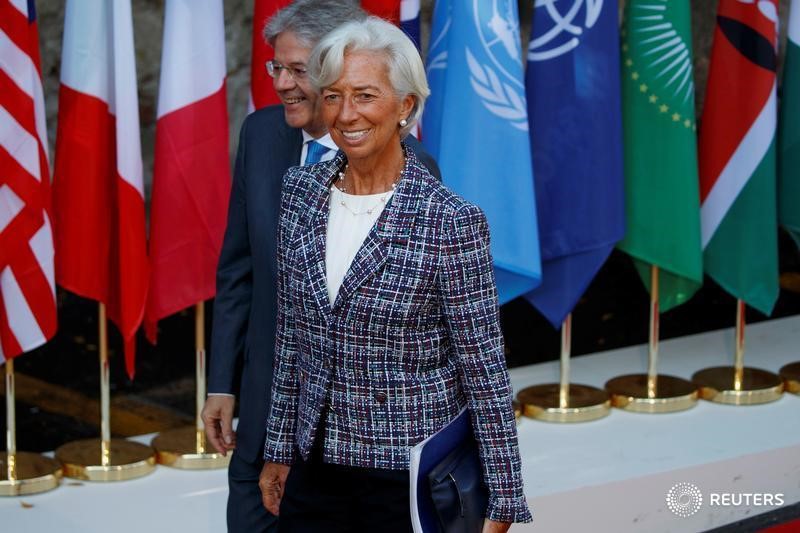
point(411, 338)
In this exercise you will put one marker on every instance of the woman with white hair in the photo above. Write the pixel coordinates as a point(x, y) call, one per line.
point(387, 309)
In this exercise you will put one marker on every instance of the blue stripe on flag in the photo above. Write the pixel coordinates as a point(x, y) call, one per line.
point(31, 11)
point(409, 19)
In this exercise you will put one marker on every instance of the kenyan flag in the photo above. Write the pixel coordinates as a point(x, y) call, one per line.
point(737, 154)
point(789, 137)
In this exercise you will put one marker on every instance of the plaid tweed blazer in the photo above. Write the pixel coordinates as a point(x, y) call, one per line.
point(411, 338)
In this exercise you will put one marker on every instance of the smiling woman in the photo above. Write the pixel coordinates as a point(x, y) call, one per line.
point(373, 93)
point(387, 308)
point(362, 113)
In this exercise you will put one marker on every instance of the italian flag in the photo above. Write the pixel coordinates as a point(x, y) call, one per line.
point(191, 174)
point(98, 191)
point(737, 154)
point(789, 133)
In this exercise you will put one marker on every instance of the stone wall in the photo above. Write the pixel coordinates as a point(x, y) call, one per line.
point(148, 18)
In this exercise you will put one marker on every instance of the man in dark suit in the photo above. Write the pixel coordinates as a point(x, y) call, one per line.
point(243, 335)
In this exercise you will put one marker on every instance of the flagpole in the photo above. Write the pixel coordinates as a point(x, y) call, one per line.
point(655, 318)
point(185, 447)
point(738, 384)
point(22, 473)
point(651, 392)
point(11, 422)
point(564, 401)
point(200, 375)
point(105, 389)
point(566, 350)
point(738, 366)
point(105, 459)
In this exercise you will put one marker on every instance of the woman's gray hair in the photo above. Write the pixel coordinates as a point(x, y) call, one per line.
point(372, 34)
point(310, 20)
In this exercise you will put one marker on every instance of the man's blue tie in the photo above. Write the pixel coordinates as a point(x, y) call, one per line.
point(315, 152)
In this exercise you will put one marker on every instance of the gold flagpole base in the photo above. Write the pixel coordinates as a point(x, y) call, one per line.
point(630, 392)
point(82, 459)
point(758, 386)
point(34, 474)
point(791, 377)
point(585, 403)
point(178, 448)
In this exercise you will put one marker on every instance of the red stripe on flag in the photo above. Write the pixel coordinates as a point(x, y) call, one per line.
point(23, 33)
point(99, 218)
point(260, 83)
point(23, 184)
point(8, 342)
point(18, 102)
point(21, 106)
point(385, 9)
point(36, 289)
point(730, 103)
point(191, 185)
point(16, 26)
point(17, 234)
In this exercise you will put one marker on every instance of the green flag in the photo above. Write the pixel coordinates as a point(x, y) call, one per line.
point(662, 200)
point(789, 133)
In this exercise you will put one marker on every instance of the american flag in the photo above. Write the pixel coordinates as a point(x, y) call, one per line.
point(27, 287)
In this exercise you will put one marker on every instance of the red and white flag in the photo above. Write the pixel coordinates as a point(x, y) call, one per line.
point(191, 176)
point(27, 286)
point(98, 193)
point(385, 9)
point(262, 93)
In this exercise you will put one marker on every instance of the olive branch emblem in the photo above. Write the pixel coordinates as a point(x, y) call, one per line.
point(501, 99)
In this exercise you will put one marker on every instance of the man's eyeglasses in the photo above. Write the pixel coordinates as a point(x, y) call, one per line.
point(274, 70)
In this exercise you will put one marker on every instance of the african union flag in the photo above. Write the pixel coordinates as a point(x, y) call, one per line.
point(662, 201)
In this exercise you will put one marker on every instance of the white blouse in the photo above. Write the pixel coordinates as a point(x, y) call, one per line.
point(350, 220)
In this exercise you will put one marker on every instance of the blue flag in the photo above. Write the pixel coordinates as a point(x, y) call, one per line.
point(476, 126)
point(409, 19)
point(573, 87)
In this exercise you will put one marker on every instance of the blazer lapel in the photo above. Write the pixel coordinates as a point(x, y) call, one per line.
point(311, 242)
point(393, 226)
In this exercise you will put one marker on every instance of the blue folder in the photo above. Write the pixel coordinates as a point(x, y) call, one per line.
point(425, 456)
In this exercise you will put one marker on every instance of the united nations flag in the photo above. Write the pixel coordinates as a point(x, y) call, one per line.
point(476, 125)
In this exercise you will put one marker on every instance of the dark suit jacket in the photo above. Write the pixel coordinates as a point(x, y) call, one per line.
point(243, 332)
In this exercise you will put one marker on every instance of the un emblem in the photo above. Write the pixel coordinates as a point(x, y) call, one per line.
point(493, 68)
point(567, 26)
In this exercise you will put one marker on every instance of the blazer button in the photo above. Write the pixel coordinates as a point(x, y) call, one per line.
point(380, 397)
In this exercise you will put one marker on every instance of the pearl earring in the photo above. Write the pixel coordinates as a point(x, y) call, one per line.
point(403, 123)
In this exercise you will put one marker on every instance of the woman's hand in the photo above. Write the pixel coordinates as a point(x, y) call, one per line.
point(490, 526)
point(272, 482)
